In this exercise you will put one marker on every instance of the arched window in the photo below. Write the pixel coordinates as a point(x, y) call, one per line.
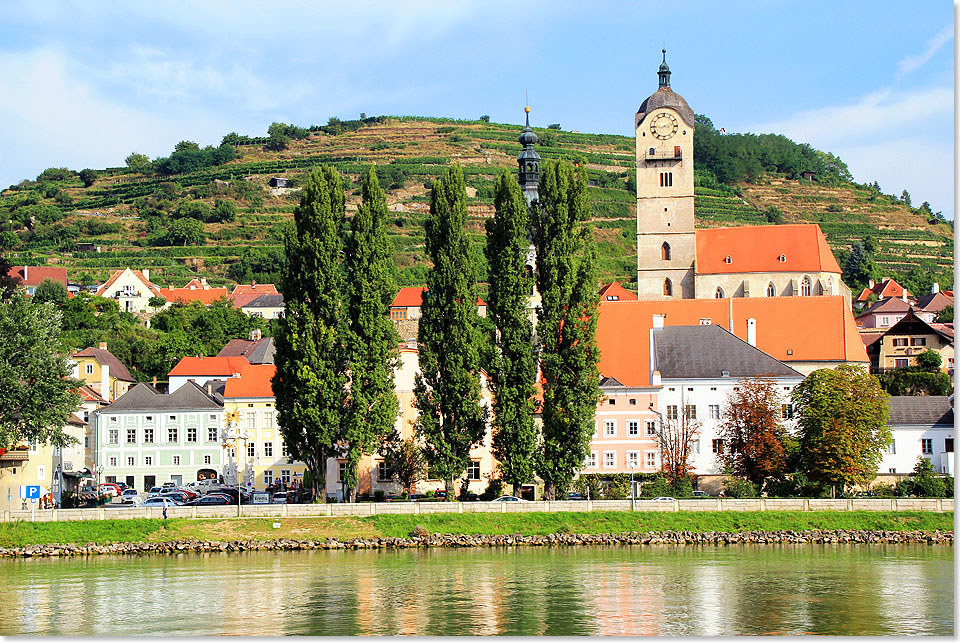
point(652, 151)
point(718, 294)
point(771, 289)
point(805, 286)
point(829, 286)
point(667, 288)
point(728, 259)
point(783, 258)
point(665, 251)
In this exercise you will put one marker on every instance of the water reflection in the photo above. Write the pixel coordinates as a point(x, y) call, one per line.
point(862, 590)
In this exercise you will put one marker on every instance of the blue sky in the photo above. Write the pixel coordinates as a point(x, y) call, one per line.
point(82, 84)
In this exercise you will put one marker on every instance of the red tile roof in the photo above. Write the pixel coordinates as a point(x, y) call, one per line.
point(616, 292)
point(137, 273)
point(89, 394)
point(790, 329)
point(31, 275)
point(255, 381)
point(188, 295)
point(885, 289)
point(254, 288)
point(758, 248)
point(209, 367)
point(412, 297)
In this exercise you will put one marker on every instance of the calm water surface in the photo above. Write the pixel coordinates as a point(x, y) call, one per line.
point(692, 590)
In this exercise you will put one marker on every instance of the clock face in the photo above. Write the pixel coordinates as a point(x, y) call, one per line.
point(664, 126)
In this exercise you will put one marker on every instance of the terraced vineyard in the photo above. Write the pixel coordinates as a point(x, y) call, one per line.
point(409, 153)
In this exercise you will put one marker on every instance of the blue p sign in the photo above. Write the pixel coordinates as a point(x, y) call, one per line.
point(30, 492)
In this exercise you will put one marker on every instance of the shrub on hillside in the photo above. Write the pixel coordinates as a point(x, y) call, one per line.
point(738, 488)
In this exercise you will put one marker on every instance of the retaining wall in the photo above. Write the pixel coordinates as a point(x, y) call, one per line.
point(418, 508)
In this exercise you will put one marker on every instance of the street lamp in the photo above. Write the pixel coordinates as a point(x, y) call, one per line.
point(234, 434)
point(632, 464)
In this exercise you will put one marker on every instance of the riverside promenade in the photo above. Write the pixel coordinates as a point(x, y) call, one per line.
point(363, 509)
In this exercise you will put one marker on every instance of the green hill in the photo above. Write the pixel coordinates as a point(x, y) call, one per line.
point(132, 216)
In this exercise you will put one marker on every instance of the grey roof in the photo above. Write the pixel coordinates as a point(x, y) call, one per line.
point(143, 396)
point(606, 382)
point(920, 410)
point(706, 351)
point(258, 352)
point(266, 301)
point(934, 302)
point(666, 97)
point(890, 305)
point(106, 358)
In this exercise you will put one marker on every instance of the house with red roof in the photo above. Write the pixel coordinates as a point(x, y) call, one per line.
point(884, 289)
point(32, 276)
point(103, 372)
point(616, 292)
point(406, 305)
point(131, 289)
point(196, 290)
point(203, 370)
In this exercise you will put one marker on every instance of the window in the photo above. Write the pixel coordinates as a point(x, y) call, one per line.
point(948, 445)
point(926, 446)
point(899, 343)
point(717, 446)
point(609, 428)
point(718, 294)
point(131, 461)
point(695, 447)
point(705, 321)
point(251, 422)
point(665, 252)
point(633, 402)
point(173, 435)
point(676, 151)
point(651, 427)
point(728, 259)
point(251, 449)
point(892, 470)
point(267, 477)
point(473, 470)
point(633, 427)
point(805, 286)
point(786, 411)
point(86, 441)
point(667, 288)
point(212, 417)
point(148, 435)
point(609, 460)
point(918, 341)
point(771, 289)
point(89, 368)
point(892, 448)
point(207, 459)
point(901, 363)
point(672, 412)
point(173, 417)
point(268, 420)
point(650, 458)
point(148, 460)
point(131, 435)
point(691, 412)
point(383, 472)
point(113, 436)
point(885, 321)
point(212, 433)
point(284, 451)
point(633, 459)
point(782, 258)
point(714, 411)
point(192, 435)
point(652, 152)
point(113, 420)
point(666, 179)
point(591, 460)
point(613, 402)
point(268, 449)
point(176, 460)
point(113, 462)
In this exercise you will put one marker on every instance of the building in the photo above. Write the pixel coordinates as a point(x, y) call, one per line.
point(406, 305)
point(921, 427)
point(616, 292)
point(30, 277)
point(196, 290)
point(257, 349)
point(675, 261)
point(102, 371)
point(899, 345)
point(145, 438)
point(204, 370)
point(886, 313)
point(264, 306)
point(882, 289)
point(131, 289)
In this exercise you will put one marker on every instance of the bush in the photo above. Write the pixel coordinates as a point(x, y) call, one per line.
point(494, 489)
point(883, 491)
point(618, 487)
point(738, 488)
point(378, 495)
point(659, 487)
point(682, 488)
point(88, 176)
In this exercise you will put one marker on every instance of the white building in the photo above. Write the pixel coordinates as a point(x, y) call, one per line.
point(921, 427)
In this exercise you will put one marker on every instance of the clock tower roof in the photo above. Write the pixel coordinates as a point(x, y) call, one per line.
point(665, 97)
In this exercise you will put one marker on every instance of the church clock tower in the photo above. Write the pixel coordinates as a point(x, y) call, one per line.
point(666, 245)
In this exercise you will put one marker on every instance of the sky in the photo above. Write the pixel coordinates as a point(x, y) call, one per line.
point(83, 84)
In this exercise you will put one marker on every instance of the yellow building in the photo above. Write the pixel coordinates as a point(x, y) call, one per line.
point(102, 371)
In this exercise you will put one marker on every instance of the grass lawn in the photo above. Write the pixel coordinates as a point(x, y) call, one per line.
point(159, 530)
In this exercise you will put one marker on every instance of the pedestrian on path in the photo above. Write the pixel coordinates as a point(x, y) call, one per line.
point(164, 511)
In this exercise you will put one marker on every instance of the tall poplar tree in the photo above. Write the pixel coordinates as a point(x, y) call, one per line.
point(513, 368)
point(568, 285)
point(447, 388)
point(372, 340)
point(310, 384)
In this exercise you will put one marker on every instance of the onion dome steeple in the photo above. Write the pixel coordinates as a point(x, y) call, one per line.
point(664, 72)
point(529, 161)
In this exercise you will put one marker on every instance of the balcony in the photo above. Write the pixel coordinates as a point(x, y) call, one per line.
point(661, 155)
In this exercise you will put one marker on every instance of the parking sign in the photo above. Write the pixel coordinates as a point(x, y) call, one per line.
point(30, 492)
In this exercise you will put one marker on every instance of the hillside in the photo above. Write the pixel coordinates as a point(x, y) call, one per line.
point(126, 213)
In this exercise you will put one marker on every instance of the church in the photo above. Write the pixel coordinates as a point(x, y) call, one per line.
point(676, 261)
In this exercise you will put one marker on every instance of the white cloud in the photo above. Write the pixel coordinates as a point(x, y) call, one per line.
point(914, 62)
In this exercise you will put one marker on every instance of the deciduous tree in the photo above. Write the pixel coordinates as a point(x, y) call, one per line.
point(753, 432)
point(50, 291)
point(310, 384)
point(372, 340)
point(451, 418)
point(513, 368)
point(405, 461)
point(843, 425)
point(675, 437)
point(568, 285)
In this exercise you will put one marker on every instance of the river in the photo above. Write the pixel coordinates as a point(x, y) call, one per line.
point(653, 590)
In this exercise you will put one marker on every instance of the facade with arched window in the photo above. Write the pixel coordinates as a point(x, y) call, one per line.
point(667, 287)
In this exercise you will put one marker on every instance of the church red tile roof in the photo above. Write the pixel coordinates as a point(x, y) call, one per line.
point(254, 288)
point(759, 248)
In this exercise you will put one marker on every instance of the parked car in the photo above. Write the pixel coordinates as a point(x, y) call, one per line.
point(508, 498)
point(575, 496)
point(109, 489)
point(279, 498)
point(209, 500)
point(663, 499)
point(168, 484)
point(187, 495)
point(163, 500)
point(440, 494)
point(154, 491)
point(129, 495)
point(699, 494)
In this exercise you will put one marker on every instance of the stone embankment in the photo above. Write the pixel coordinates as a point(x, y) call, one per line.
point(475, 541)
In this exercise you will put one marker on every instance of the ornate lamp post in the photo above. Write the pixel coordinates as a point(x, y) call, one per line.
point(233, 433)
point(632, 465)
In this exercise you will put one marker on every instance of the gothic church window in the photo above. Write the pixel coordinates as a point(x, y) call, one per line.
point(771, 289)
point(805, 286)
point(718, 294)
point(665, 252)
point(667, 288)
point(666, 179)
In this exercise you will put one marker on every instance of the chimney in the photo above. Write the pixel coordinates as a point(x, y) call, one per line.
point(154, 382)
point(103, 345)
point(903, 296)
point(25, 268)
point(203, 282)
point(655, 379)
point(146, 274)
point(105, 383)
point(934, 288)
point(658, 321)
point(752, 332)
point(871, 283)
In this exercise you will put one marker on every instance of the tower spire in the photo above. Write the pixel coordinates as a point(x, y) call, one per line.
point(664, 72)
point(528, 161)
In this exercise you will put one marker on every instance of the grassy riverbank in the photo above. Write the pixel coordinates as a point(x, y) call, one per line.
point(318, 528)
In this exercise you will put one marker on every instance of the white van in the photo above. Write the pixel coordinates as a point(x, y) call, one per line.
point(205, 486)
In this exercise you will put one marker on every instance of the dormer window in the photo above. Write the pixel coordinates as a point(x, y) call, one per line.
point(783, 258)
point(612, 297)
point(728, 259)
